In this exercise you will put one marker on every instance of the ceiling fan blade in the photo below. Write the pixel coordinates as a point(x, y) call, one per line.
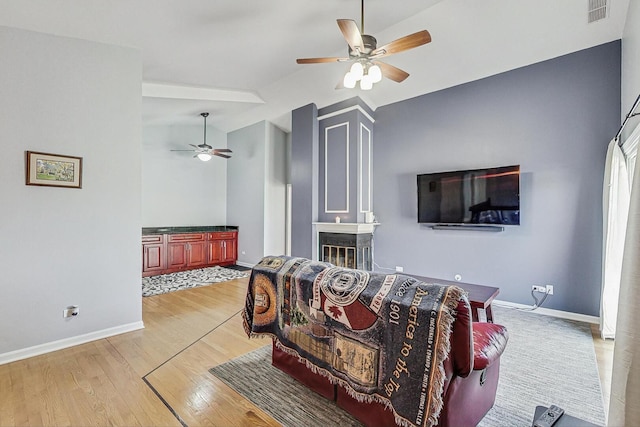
point(320, 60)
point(403, 43)
point(183, 150)
point(351, 34)
point(222, 155)
point(391, 72)
point(194, 146)
point(222, 150)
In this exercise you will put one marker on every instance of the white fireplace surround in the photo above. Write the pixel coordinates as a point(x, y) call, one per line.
point(345, 227)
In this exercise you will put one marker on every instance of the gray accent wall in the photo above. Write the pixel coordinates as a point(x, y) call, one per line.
point(555, 120)
point(304, 180)
point(345, 142)
point(63, 246)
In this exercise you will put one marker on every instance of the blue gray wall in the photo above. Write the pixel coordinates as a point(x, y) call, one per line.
point(344, 142)
point(554, 119)
point(304, 179)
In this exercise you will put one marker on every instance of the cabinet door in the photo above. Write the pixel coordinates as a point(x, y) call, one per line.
point(230, 250)
point(176, 255)
point(152, 257)
point(215, 251)
point(223, 247)
point(153, 254)
point(196, 253)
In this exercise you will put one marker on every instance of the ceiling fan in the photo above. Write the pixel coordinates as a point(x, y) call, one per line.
point(364, 53)
point(204, 151)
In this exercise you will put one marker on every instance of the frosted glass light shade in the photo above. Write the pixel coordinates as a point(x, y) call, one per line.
point(349, 81)
point(205, 157)
point(357, 70)
point(366, 83)
point(375, 73)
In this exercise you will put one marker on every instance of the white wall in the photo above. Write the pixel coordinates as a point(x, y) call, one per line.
point(178, 190)
point(256, 190)
point(275, 191)
point(65, 246)
point(245, 190)
point(631, 64)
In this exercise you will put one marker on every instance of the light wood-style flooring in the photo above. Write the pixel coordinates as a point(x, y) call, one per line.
point(157, 376)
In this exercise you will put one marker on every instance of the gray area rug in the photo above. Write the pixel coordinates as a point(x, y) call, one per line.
point(547, 361)
point(156, 285)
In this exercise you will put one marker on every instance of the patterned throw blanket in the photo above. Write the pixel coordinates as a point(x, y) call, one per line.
point(383, 337)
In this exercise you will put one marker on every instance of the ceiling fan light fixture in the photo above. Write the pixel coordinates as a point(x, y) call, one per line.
point(375, 73)
point(363, 50)
point(366, 83)
point(204, 152)
point(349, 81)
point(357, 70)
point(205, 157)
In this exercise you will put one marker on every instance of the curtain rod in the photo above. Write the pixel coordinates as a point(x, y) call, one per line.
point(626, 119)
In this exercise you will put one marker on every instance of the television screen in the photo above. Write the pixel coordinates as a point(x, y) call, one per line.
point(480, 196)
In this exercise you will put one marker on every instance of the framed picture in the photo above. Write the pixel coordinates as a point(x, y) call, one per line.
point(54, 170)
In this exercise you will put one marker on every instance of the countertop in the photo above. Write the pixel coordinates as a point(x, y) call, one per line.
point(188, 229)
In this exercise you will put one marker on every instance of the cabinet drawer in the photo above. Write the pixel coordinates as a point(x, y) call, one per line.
point(186, 237)
point(155, 238)
point(222, 235)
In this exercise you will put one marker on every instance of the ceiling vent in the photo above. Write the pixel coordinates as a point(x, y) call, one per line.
point(598, 10)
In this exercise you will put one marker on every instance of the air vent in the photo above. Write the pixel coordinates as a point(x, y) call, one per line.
point(597, 10)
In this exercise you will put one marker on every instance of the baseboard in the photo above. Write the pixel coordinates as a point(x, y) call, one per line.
point(245, 264)
point(553, 313)
point(37, 350)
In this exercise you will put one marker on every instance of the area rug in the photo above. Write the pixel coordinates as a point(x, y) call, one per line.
point(548, 361)
point(156, 285)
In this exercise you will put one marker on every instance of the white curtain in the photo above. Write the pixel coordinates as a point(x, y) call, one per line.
point(615, 206)
point(624, 407)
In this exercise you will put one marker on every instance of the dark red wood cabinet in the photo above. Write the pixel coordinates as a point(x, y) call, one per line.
point(153, 255)
point(168, 253)
point(222, 247)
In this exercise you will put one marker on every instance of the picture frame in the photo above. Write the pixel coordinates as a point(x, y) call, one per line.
point(53, 170)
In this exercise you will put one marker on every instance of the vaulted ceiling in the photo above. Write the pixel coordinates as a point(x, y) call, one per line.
point(236, 58)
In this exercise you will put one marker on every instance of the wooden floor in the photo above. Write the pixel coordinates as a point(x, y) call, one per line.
point(157, 376)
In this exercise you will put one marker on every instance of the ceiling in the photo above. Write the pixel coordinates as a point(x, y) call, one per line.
point(236, 58)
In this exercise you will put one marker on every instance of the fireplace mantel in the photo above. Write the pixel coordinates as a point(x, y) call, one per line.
point(345, 227)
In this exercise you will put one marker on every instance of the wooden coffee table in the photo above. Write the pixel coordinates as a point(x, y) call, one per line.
point(480, 297)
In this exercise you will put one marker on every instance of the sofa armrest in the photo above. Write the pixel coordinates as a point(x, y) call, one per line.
point(489, 341)
point(461, 353)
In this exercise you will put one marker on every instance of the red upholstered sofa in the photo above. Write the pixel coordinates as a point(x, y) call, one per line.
point(472, 371)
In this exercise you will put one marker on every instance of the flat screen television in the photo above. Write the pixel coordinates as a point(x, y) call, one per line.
point(478, 196)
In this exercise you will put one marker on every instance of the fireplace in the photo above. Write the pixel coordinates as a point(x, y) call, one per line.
point(346, 250)
point(346, 244)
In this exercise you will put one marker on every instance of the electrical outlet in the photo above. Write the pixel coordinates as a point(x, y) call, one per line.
point(70, 311)
point(399, 269)
point(550, 289)
point(541, 289)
